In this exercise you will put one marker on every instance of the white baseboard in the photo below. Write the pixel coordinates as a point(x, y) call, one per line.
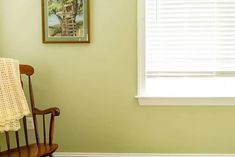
point(74, 154)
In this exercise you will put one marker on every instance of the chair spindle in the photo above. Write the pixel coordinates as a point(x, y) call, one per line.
point(8, 140)
point(17, 139)
point(44, 129)
point(25, 132)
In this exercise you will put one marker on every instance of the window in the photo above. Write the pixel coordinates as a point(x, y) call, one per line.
point(186, 48)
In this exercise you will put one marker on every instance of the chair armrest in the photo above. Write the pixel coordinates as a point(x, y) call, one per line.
point(54, 111)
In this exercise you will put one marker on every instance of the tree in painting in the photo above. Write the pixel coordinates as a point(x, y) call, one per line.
point(65, 17)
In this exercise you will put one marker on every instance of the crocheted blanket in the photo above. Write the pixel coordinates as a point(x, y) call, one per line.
point(13, 104)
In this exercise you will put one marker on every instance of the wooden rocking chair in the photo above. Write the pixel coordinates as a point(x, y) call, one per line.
point(37, 149)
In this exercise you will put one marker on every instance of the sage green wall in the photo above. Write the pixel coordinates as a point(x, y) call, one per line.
point(94, 85)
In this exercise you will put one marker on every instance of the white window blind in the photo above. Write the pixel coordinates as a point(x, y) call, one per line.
point(189, 38)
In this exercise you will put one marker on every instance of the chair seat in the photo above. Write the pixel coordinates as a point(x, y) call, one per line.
point(33, 150)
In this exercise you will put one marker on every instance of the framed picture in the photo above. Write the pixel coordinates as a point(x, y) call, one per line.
point(65, 21)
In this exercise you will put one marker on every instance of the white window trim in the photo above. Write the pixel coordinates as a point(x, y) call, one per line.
point(141, 46)
point(170, 101)
point(165, 101)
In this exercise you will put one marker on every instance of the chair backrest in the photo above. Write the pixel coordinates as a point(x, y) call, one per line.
point(26, 72)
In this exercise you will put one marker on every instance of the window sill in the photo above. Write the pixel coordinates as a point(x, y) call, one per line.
point(186, 101)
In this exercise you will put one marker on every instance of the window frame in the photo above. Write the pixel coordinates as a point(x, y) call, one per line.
point(165, 101)
point(141, 45)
